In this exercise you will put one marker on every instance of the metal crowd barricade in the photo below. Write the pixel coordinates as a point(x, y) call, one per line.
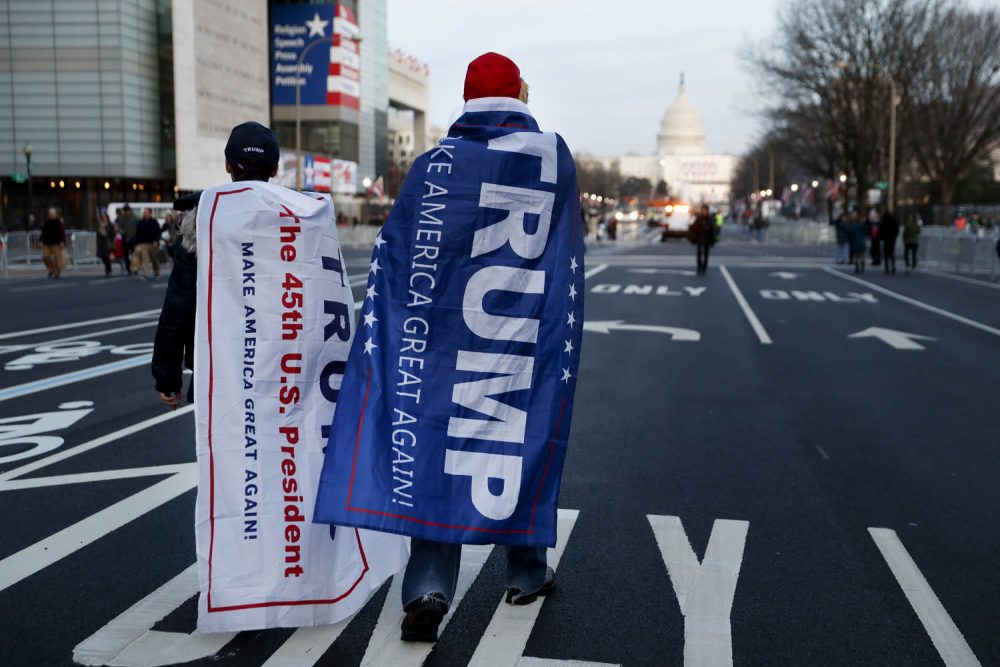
point(82, 247)
point(947, 249)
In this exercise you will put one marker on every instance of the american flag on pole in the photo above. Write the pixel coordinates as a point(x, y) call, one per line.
point(321, 174)
point(343, 84)
point(832, 188)
point(377, 190)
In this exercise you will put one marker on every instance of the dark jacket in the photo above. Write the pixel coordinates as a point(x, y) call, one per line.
point(703, 230)
point(53, 232)
point(858, 233)
point(105, 240)
point(842, 228)
point(888, 229)
point(126, 225)
point(173, 348)
point(147, 230)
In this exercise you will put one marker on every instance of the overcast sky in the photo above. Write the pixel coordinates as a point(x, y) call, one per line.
point(601, 73)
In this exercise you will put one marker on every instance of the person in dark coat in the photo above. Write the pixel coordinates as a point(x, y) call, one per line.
point(842, 228)
point(126, 224)
point(858, 234)
point(173, 348)
point(53, 241)
point(888, 232)
point(703, 235)
point(106, 243)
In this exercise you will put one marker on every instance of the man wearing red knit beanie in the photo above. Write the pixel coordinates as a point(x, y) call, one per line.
point(493, 85)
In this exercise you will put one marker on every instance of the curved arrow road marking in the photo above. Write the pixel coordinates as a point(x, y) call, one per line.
point(676, 333)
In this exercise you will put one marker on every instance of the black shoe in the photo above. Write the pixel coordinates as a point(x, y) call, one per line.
point(423, 617)
point(514, 595)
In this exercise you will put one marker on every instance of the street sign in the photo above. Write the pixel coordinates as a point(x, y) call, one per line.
point(18, 177)
point(882, 185)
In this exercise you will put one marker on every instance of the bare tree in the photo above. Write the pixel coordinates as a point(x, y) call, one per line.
point(956, 104)
point(828, 70)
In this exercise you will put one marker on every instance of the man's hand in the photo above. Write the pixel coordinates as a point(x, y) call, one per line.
point(171, 400)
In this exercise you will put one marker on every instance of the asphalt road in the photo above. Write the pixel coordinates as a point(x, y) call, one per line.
point(805, 494)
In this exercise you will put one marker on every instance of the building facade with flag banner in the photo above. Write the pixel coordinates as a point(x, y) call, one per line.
point(274, 322)
point(457, 400)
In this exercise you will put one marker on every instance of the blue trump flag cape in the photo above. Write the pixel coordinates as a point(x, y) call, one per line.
point(454, 410)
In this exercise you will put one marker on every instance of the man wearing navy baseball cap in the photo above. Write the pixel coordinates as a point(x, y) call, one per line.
point(251, 155)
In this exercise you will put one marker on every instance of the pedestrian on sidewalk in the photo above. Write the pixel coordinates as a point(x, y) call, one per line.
point(842, 228)
point(126, 224)
point(876, 242)
point(911, 240)
point(147, 245)
point(703, 234)
point(53, 241)
point(106, 243)
point(888, 231)
point(858, 234)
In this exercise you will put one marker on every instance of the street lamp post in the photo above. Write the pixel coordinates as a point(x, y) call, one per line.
point(366, 183)
point(27, 157)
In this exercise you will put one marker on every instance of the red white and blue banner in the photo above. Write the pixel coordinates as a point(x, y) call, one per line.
point(456, 405)
point(314, 48)
point(274, 321)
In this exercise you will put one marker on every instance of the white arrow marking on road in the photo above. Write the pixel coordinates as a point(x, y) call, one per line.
point(785, 275)
point(947, 638)
point(704, 590)
point(901, 340)
point(676, 333)
point(678, 272)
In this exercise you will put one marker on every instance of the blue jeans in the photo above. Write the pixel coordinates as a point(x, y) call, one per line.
point(433, 568)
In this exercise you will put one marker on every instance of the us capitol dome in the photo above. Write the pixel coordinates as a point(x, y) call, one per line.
point(682, 158)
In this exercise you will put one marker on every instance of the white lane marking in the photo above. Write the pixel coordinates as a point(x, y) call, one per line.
point(385, 647)
point(549, 662)
point(919, 304)
point(130, 640)
point(964, 279)
point(35, 288)
point(75, 325)
point(947, 638)
point(747, 310)
point(594, 271)
point(93, 444)
point(504, 640)
point(43, 553)
point(358, 281)
point(306, 645)
point(822, 452)
point(99, 476)
point(675, 333)
point(676, 272)
point(6, 349)
point(704, 590)
point(901, 340)
point(785, 275)
point(73, 377)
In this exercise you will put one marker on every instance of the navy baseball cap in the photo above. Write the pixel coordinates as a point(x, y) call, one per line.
point(252, 144)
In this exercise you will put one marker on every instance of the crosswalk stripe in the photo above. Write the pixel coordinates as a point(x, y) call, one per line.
point(43, 553)
point(506, 636)
point(385, 648)
point(306, 645)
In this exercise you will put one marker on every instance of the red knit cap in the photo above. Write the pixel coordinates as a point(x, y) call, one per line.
point(492, 75)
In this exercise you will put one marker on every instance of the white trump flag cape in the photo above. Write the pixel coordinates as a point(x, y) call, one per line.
point(274, 323)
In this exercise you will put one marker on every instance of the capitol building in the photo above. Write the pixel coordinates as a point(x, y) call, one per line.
point(682, 159)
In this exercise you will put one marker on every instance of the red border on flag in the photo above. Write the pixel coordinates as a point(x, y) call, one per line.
point(211, 458)
point(479, 529)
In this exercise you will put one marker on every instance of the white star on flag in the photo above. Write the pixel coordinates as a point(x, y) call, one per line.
point(369, 346)
point(572, 291)
point(566, 376)
point(379, 241)
point(375, 267)
point(371, 293)
point(570, 318)
point(573, 265)
point(317, 27)
point(370, 318)
point(569, 347)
